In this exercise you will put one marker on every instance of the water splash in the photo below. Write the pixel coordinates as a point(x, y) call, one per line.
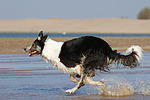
point(115, 86)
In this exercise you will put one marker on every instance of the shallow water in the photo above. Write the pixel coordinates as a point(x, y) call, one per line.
point(34, 35)
point(23, 77)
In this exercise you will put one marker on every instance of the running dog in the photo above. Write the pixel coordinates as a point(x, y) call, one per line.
point(80, 57)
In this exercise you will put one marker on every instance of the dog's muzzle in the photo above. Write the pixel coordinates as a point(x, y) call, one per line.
point(31, 53)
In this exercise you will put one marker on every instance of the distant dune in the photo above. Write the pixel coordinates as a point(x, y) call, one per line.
point(60, 25)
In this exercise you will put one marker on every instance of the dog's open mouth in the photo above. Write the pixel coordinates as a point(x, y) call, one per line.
point(33, 53)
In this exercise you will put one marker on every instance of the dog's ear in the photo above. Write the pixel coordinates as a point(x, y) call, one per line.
point(40, 36)
point(44, 38)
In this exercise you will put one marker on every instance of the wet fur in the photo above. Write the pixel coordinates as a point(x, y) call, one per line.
point(80, 57)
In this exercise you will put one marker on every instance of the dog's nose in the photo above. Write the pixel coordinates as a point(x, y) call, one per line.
point(25, 49)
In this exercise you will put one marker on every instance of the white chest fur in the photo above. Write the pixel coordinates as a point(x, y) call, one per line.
point(51, 52)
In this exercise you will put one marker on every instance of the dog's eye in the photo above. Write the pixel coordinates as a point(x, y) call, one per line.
point(37, 42)
point(33, 45)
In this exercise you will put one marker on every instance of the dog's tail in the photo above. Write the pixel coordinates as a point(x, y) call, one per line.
point(131, 58)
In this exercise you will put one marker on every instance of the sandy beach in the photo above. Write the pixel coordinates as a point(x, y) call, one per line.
point(60, 25)
point(16, 45)
point(23, 77)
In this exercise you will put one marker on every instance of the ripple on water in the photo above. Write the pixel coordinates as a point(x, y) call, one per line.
point(142, 87)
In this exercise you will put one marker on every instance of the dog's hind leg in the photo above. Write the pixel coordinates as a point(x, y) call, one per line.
point(72, 78)
point(91, 82)
point(80, 84)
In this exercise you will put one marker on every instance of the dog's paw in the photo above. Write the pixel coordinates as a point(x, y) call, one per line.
point(101, 83)
point(70, 91)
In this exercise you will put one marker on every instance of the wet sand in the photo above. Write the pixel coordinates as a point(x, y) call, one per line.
point(16, 45)
point(31, 78)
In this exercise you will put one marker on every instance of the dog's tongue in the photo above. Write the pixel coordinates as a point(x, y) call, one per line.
point(32, 52)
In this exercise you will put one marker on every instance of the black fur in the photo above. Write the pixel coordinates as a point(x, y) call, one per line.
point(98, 54)
point(73, 50)
point(127, 60)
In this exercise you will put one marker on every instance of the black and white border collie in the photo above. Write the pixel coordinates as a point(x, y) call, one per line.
point(80, 57)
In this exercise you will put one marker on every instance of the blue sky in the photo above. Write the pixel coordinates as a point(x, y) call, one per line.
point(70, 9)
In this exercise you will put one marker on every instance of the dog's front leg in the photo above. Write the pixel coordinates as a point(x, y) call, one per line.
point(80, 84)
point(72, 78)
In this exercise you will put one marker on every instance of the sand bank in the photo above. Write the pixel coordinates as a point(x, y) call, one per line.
point(97, 25)
point(16, 45)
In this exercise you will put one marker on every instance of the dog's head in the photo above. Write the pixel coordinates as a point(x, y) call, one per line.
point(37, 46)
